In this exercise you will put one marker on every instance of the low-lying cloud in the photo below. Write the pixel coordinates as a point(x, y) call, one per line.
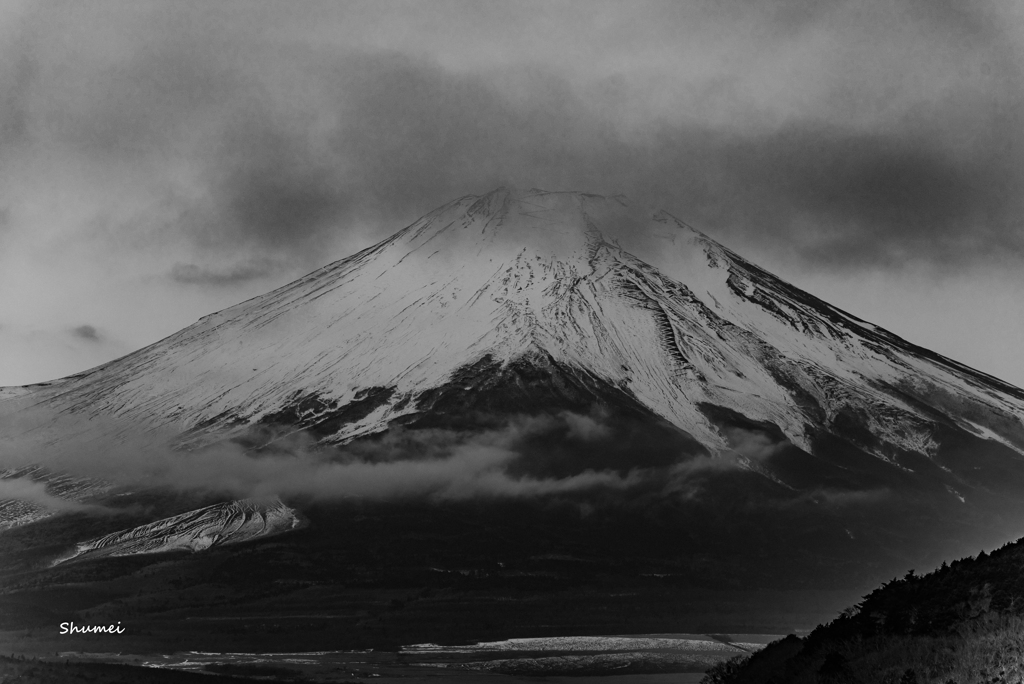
point(591, 460)
point(35, 492)
point(753, 444)
point(472, 469)
point(428, 464)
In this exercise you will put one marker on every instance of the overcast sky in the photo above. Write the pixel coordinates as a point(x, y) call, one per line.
point(163, 160)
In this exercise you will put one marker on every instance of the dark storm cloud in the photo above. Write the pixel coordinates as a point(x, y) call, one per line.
point(231, 275)
point(268, 186)
point(412, 136)
point(287, 146)
point(86, 332)
point(851, 198)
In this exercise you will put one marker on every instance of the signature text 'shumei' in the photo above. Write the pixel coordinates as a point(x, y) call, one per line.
point(72, 628)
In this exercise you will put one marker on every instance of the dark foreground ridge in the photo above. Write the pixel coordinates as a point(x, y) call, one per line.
point(962, 624)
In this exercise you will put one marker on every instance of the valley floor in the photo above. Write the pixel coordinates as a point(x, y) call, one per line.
point(636, 659)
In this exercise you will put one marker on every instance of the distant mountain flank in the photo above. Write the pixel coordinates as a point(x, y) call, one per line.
point(226, 523)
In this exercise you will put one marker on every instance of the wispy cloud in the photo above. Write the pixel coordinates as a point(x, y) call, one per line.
point(432, 464)
point(222, 276)
point(86, 332)
point(25, 489)
point(599, 458)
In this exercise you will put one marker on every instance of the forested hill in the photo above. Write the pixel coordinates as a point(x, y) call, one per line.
point(962, 623)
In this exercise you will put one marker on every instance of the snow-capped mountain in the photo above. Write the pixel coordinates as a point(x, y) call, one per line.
point(520, 392)
point(605, 300)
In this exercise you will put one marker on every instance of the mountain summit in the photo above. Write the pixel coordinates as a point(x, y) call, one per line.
point(606, 301)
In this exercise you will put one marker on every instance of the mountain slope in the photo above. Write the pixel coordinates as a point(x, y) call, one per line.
point(635, 303)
